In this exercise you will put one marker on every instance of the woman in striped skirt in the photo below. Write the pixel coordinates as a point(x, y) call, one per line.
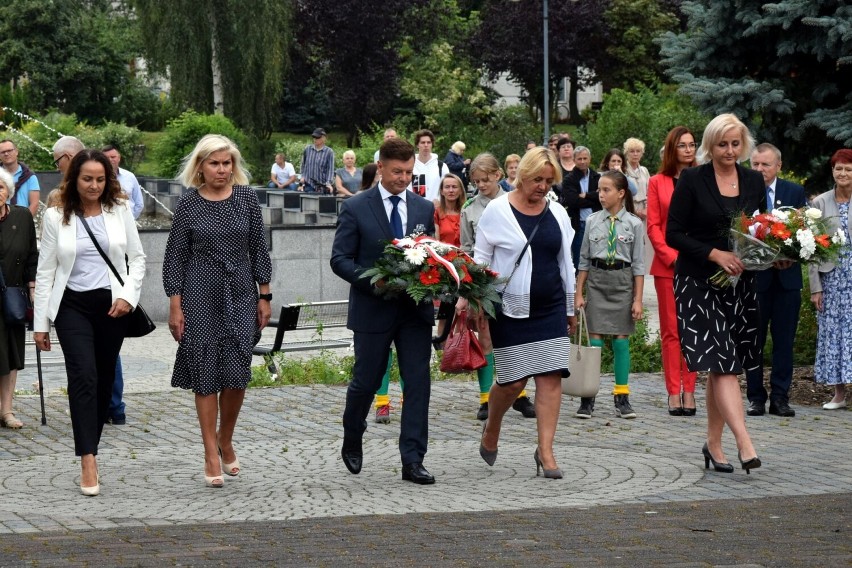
point(527, 238)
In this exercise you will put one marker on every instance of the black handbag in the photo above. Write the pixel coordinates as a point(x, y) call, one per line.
point(139, 324)
point(16, 304)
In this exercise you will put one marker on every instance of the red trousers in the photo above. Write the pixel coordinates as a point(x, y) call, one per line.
point(678, 377)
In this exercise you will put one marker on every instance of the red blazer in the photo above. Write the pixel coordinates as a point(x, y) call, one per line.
point(660, 189)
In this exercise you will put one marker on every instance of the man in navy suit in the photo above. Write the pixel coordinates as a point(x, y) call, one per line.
point(365, 223)
point(779, 296)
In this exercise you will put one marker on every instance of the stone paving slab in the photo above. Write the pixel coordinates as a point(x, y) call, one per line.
point(768, 532)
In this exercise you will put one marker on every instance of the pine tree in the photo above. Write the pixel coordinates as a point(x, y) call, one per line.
point(783, 67)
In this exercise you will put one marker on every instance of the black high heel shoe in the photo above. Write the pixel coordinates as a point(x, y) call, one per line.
point(675, 410)
point(489, 456)
point(749, 465)
point(548, 473)
point(718, 466)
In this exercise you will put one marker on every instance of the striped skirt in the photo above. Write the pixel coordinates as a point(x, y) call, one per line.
point(718, 326)
point(537, 345)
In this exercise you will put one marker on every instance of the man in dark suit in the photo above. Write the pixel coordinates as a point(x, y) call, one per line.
point(580, 197)
point(779, 296)
point(365, 223)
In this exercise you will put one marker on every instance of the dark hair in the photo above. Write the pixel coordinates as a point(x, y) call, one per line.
point(69, 197)
point(442, 207)
point(9, 141)
point(109, 148)
point(612, 152)
point(842, 156)
point(620, 181)
point(396, 149)
point(368, 175)
point(669, 164)
point(421, 133)
point(565, 140)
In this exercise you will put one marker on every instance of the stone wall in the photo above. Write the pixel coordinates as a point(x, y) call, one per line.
point(300, 269)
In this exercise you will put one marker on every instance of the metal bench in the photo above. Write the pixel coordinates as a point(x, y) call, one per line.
point(306, 316)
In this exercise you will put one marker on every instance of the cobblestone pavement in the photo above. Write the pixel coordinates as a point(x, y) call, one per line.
point(630, 487)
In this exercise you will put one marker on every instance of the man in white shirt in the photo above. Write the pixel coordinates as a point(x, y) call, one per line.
point(283, 174)
point(129, 183)
point(428, 169)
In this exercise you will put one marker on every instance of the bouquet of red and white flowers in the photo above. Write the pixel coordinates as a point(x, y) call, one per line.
point(427, 269)
point(786, 233)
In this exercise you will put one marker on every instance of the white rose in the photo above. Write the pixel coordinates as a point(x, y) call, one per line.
point(813, 213)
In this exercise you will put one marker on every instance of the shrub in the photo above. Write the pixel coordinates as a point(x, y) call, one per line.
point(647, 114)
point(184, 132)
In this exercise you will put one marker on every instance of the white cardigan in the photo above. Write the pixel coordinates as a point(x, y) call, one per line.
point(499, 241)
point(59, 250)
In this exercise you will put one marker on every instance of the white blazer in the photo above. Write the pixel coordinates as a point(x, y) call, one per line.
point(59, 250)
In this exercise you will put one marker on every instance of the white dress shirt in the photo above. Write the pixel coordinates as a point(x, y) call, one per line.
point(402, 207)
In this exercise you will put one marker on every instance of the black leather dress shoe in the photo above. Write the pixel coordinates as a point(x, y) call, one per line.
point(755, 409)
point(415, 472)
point(353, 455)
point(781, 408)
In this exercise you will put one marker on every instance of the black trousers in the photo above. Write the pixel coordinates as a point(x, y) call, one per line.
point(91, 341)
point(412, 337)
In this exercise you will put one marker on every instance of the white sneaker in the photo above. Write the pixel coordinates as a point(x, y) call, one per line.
point(834, 405)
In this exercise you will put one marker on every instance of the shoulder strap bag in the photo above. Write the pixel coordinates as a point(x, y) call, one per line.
point(16, 303)
point(584, 363)
point(526, 246)
point(139, 324)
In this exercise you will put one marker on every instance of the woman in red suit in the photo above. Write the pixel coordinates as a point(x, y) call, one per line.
point(678, 154)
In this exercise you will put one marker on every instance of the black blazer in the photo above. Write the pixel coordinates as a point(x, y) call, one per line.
point(787, 194)
point(571, 199)
point(362, 230)
point(698, 220)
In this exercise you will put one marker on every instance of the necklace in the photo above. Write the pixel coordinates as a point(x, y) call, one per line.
point(723, 180)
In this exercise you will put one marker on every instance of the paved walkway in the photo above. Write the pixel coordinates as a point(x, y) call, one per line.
point(635, 491)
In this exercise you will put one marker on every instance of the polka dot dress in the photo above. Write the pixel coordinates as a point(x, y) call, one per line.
point(215, 257)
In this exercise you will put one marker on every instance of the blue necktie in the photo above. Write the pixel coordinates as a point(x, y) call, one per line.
point(769, 205)
point(395, 219)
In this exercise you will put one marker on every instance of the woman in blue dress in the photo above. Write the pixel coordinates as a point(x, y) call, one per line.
point(216, 272)
point(831, 288)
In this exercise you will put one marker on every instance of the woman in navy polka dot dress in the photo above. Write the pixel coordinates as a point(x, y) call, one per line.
point(216, 273)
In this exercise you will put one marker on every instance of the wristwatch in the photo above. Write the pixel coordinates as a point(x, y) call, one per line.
point(267, 297)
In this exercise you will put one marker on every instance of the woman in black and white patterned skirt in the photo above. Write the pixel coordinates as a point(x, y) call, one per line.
point(717, 325)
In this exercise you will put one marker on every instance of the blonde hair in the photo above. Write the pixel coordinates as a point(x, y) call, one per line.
point(487, 164)
point(443, 202)
point(349, 152)
point(632, 143)
point(209, 144)
point(716, 129)
point(534, 161)
point(458, 147)
point(511, 159)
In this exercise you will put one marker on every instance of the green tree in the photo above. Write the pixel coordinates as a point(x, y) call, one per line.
point(72, 55)
point(635, 57)
point(783, 67)
point(447, 89)
point(237, 47)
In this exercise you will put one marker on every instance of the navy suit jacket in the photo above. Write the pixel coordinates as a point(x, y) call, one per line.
point(359, 241)
point(571, 199)
point(787, 194)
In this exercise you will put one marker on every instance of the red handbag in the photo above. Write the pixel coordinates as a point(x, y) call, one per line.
point(462, 352)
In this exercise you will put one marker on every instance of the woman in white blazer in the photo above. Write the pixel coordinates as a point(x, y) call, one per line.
point(77, 291)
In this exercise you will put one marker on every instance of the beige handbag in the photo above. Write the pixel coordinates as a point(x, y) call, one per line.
point(584, 363)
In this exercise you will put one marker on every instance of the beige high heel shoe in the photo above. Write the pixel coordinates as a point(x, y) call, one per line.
point(233, 468)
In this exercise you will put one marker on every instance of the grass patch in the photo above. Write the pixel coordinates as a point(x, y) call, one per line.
point(327, 368)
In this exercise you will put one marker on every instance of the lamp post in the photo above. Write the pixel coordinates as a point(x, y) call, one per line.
point(546, 72)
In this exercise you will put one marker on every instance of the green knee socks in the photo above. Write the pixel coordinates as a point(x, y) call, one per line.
point(485, 375)
point(621, 355)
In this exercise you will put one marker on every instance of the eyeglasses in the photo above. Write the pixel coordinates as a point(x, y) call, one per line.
point(59, 159)
point(691, 146)
point(7, 152)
